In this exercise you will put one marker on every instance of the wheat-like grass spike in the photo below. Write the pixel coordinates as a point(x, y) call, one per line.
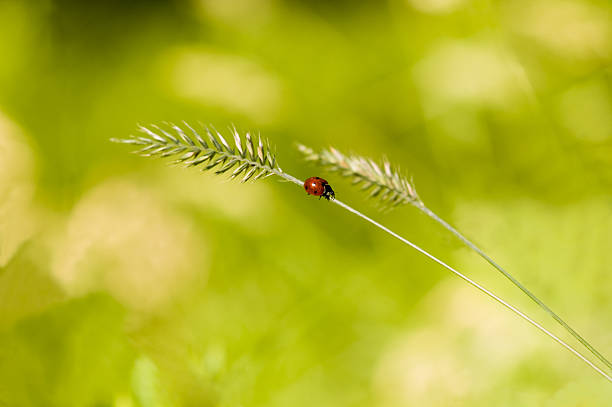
point(171, 140)
point(383, 182)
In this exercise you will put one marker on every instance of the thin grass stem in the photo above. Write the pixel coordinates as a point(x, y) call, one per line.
point(387, 184)
point(479, 287)
point(463, 277)
point(514, 281)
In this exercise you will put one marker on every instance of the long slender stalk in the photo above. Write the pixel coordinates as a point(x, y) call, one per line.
point(251, 160)
point(392, 189)
point(524, 289)
point(463, 277)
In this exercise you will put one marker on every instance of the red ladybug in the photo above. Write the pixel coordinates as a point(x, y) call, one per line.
point(319, 187)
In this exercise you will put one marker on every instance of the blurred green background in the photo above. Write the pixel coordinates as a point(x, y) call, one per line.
point(125, 282)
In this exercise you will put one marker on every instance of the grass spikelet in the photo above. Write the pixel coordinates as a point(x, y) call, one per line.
point(190, 149)
point(383, 182)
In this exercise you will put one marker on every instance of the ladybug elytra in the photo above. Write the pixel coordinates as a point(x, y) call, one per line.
point(319, 187)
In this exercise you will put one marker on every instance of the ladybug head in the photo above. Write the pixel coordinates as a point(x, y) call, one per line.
point(329, 192)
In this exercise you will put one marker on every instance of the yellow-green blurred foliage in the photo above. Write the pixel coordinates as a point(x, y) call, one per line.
point(125, 282)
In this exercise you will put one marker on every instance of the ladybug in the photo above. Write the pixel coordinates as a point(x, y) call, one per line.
point(319, 187)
